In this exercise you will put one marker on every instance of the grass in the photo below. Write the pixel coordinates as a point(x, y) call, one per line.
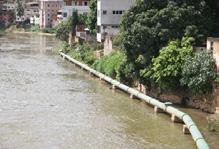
point(2, 32)
point(217, 79)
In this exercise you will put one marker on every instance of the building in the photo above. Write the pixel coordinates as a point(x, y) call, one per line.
point(109, 14)
point(213, 45)
point(81, 6)
point(31, 10)
point(76, 2)
point(48, 12)
point(8, 7)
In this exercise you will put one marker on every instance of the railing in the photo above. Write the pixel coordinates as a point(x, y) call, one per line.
point(175, 113)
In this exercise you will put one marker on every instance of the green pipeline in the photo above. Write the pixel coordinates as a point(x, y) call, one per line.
point(196, 134)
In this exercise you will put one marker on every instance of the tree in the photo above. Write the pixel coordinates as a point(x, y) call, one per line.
point(166, 69)
point(199, 72)
point(74, 22)
point(66, 27)
point(20, 9)
point(62, 30)
point(213, 13)
point(92, 16)
point(151, 24)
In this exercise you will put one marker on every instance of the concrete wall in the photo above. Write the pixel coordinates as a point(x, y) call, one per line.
point(109, 13)
point(111, 8)
point(213, 45)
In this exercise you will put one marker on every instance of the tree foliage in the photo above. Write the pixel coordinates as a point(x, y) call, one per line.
point(151, 24)
point(110, 64)
point(166, 69)
point(92, 16)
point(199, 72)
point(74, 20)
point(63, 29)
point(20, 8)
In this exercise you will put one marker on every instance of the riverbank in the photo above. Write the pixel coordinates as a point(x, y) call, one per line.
point(2, 32)
point(113, 66)
point(176, 115)
point(31, 30)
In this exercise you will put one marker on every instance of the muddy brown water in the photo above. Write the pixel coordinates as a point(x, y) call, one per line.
point(47, 103)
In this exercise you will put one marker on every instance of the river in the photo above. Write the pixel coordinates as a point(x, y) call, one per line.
point(47, 103)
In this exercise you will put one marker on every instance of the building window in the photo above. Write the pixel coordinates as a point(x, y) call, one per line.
point(85, 3)
point(64, 14)
point(117, 12)
point(115, 26)
point(48, 5)
point(212, 45)
point(104, 12)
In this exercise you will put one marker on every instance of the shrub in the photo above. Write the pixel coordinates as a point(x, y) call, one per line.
point(35, 28)
point(83, 53)
point(110, 64)
point(199, 72)
point(49, 30)
point(126, 72)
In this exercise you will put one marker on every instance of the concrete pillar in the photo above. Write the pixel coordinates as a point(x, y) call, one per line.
point(157, 110)
point(131, 96)
point(175, 119)
point(217, 110)
point(63, 58)
point(186, 129)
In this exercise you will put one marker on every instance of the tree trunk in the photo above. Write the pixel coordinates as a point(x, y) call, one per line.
point(70, 39)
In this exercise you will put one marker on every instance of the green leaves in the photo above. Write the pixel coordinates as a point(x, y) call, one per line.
point(92, 16)
point(63, 29)
point(110, 64)
point(20, 8)
point(166, 68)
point(199, 72)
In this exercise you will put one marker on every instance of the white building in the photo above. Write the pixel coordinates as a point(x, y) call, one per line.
point(67, 11)
point(8, 6)
point(48, 12)
point(109, 13)
point(31, 10)
point(81, 6)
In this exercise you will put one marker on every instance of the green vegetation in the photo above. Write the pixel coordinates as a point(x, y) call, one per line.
point(157, 36)
point(91, 21)
point(199, 72)
point(49, 30)
point(157, 40)
point(35, 28)
point(110, 64)
point(2, 32)
point(81, 52)
point(65, 27)
point(166, 69)
point(20, 8)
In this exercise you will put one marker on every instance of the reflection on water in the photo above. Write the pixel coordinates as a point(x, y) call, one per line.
point(47, 103)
